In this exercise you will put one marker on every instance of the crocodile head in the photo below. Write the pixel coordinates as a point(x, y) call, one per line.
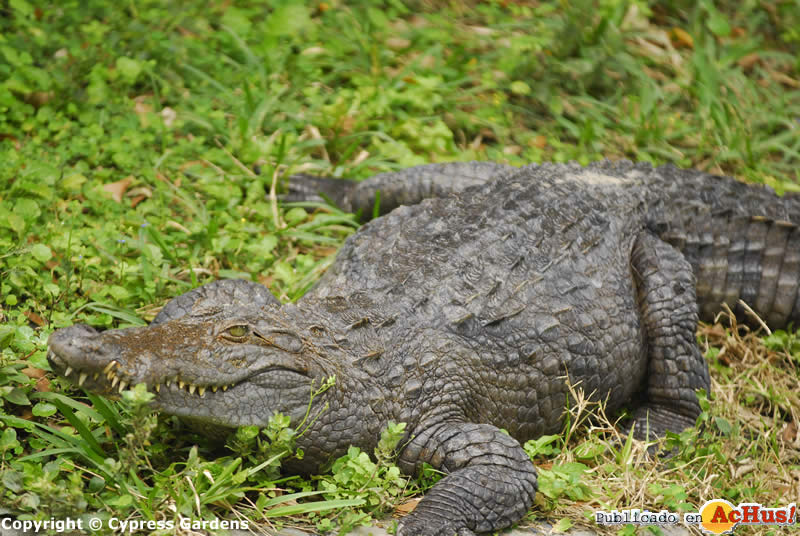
point(228, 366)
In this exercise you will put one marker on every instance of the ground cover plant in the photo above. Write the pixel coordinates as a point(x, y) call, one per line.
point(142, 148)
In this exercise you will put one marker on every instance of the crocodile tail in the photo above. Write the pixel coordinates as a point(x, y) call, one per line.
point(743, 242)
point(757, 261)
point(387, 191)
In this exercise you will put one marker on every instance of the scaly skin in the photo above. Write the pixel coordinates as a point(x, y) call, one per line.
point(464, 314)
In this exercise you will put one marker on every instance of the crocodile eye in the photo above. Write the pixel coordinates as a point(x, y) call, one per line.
point(237, 332)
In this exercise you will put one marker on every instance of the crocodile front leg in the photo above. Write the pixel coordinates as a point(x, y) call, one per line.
point(490, 482)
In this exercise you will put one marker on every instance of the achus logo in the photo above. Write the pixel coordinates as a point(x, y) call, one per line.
point(719, 516)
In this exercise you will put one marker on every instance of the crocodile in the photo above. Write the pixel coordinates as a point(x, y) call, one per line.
point(466, 311)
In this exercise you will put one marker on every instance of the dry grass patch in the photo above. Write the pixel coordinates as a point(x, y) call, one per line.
point(746, 447)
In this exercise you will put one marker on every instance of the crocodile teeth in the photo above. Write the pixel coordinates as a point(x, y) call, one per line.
point(214, 388)
point(68, 371)
point(168, 382)
point(181, 385)
point(192, 387)
point(158, 388)
point(82, 378)
point(201, 391)
point(114, 381)
point(122, 386)
point(95, 375)
point(224, 387)
point(110, 365)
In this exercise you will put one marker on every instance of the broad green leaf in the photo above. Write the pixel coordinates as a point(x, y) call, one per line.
point(6, 335)
point(17, 396)
point(129, 68)
point(41, 252)
point(43, 409)
point(563, 525)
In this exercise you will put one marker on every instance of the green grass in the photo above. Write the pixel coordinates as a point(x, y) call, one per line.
point(202, 108)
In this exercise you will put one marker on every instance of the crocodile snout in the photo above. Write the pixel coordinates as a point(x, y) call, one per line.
point(78, 347)
point(74, 341)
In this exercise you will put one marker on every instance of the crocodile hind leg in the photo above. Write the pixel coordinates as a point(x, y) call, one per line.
point(668, 309)
point(405, 187)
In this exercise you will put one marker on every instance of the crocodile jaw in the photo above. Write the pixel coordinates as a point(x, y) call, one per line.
point(192, 375)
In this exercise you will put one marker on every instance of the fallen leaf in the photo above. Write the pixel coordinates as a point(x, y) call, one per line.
point(33, 372)
point(539, 142)
point(747, 62)
point(117, 189)
point(43, 385)
point(789, 433)
point(141, 190)
point(408, 506)
point(168, 115)
point(138, 199)
point(36, 319)
point(682, 38)
point(398, 43)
